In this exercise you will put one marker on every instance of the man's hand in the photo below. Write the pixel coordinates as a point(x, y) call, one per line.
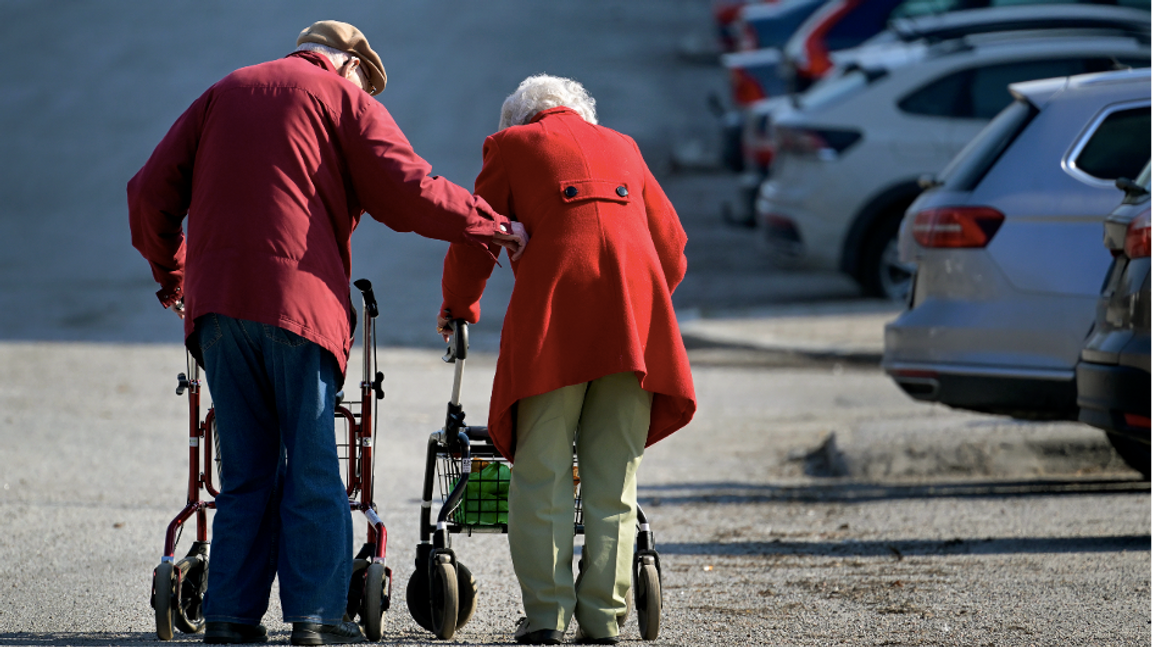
point(442, 327)
point(178, 308)
point(514, 242)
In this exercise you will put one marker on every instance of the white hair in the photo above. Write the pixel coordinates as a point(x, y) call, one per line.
point(541, 92)
point(337, 57)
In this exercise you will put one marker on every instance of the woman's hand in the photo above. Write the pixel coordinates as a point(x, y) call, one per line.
point(514, 242)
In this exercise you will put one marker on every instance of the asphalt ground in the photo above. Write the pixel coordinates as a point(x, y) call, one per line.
point(763, 540)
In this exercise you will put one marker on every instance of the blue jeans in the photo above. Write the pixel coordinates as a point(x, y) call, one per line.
point(283, 509)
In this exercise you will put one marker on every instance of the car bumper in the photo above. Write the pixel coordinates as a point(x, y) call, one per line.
point(1114, 398)
point(792, 235)
point(1027, 394)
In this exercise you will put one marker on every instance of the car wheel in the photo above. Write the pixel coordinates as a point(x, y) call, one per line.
point(1135, 454)
point(882, 274)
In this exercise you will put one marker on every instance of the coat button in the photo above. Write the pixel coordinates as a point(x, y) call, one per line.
point(622, 191)
point(570, 191)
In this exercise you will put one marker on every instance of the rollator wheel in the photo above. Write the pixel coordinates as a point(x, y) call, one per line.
point(372, 613)
point(418, 596)
point(466, 585)
point(445, 598)
point(646, 589)
point(189, 610)
point(163, 592)
point(356, 588)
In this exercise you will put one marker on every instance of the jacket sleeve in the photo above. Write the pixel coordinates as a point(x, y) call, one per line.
point(158, 199)
point(667, 233)
point(467, 268)
point(395, 185)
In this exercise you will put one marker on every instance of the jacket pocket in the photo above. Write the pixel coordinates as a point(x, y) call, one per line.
point(580, 190)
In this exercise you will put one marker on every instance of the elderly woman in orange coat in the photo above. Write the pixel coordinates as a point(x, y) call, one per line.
point(590, 351)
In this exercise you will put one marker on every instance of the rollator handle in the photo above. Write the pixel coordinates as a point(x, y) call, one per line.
point(365, 287)
point(458, 345)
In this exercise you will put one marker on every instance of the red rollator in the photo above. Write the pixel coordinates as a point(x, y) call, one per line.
point(178, 585)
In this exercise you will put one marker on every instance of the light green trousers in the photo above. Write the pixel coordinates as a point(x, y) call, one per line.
point(608, 420)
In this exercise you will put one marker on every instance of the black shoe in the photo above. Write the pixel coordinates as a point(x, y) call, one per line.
point(233, 633)
point(314, 633)
point(538, 637)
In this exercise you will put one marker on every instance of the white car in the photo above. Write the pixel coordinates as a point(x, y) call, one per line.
point(1007, 248)
point(850, 152)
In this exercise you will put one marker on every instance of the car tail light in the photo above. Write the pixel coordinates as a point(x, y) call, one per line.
point(1136, 420)
point(1136, 241)
point(956, 226)
point(746, 89)
point(725, 13)
point(827, 144)
point(762, 155)
point(817, 60)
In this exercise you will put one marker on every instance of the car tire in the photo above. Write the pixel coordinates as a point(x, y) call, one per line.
point(1135, 454)
point(881, 274)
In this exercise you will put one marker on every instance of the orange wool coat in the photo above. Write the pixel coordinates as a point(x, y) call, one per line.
point(593, 290)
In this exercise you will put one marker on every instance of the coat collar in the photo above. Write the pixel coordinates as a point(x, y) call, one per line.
point(317, 59)
point(559, 110)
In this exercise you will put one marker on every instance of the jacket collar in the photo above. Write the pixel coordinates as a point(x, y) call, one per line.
point(315, 58)
point(559, 110)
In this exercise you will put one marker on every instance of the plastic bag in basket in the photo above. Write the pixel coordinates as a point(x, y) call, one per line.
point(485, 501)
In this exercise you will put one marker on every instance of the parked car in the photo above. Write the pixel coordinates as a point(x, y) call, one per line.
point(849, 153)
point(1013, 17)
point(1112, 378)
point(843, 24)
point(1005, 244)
point(752, 155)
point(762, 30)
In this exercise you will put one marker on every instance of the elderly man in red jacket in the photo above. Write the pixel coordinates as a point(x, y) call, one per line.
point(590, 351)
point(273, 167)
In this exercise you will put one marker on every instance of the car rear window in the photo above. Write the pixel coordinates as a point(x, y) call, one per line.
point(982, 92)
point(1119, 146)
point(972, 163)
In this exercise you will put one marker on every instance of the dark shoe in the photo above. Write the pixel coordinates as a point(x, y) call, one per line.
point(233, 633)
point(314, 633)
point(538, 637)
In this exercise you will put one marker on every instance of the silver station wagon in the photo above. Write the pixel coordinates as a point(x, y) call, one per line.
point(1007, 251)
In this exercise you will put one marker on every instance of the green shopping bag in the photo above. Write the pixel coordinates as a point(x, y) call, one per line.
point(485, 501)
